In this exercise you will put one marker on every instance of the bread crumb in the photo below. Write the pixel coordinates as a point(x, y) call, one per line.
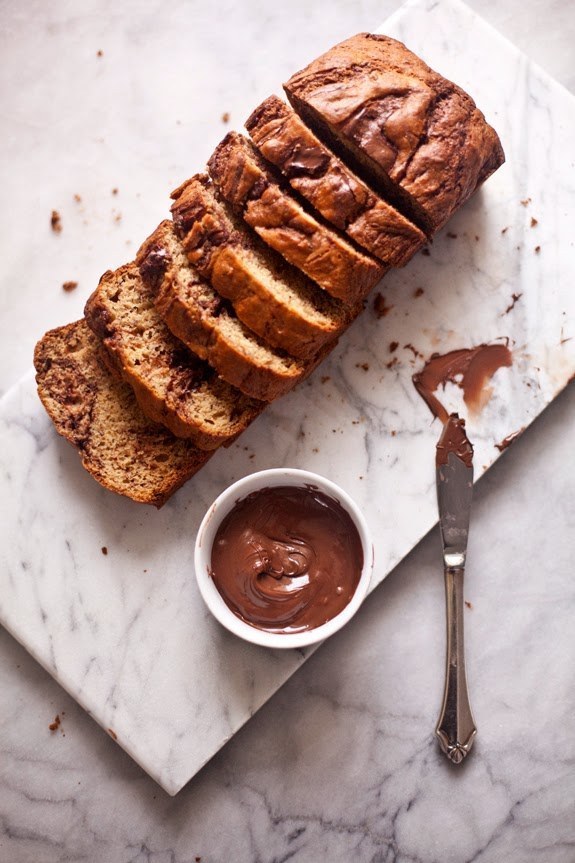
point(226, 117)
point(451, 235)
point(393, 433)
point(379, 306)
point(69, 286)
point(525, 202)
point(419, 292)
point(56, 221)
point(392, 363)
point(112, 734)
point(514, 299)
point(468, 604)
point(504, 230)
point(393, 346)
point(115, 190)
point(78, 198)
point(325, 378)
point(426, 252)
point(364, 366)
point(99, 53)
point(104, 550)
point(537, 249)
point(54, 726)
point(534, 222)
point(415, 352)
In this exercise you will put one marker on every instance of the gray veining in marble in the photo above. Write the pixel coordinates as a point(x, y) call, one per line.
point(126, 632)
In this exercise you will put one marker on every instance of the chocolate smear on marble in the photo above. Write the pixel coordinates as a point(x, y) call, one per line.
point(511, 438)
point(469, 368)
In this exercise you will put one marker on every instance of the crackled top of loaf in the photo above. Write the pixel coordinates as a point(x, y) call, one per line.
point(255, 188)
point(335, 191)
point(423, 130)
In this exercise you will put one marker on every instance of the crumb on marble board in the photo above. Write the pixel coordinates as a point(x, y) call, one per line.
point(415, 352)
point(56, 221)
point(468, 604)
point(534, 222)
point(55, 725)
point(226, 117)
point(419, 292)
point(514, 299)
point(452, 235)
point(525, 202)
point(104, 550)
point(364, 366)
point(537, 249)
point(115, 190)
point(393, 346)
point(379, 306)
point(426, 252)
point(78, 198)
point(99, 53)
point(112, 734)
point(69, 286)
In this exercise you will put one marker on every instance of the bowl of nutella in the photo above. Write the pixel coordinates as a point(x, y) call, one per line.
point(283, 558)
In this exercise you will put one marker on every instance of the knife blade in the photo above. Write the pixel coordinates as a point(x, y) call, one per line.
point(455, 728)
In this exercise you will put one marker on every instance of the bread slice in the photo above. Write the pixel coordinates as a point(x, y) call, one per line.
point(270, 297)
point(338, 194)
point(250, 185)
point(415, 136)
point(98, 413)
point(172, 385)
point(207, 324)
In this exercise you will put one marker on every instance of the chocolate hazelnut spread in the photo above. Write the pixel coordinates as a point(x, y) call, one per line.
point(454, 440)
point(287, 559)
point(469, 368)
point(507, 441)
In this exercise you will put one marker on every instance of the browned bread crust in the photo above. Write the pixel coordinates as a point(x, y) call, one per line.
point(249, 184)
point(207, 324)
point(412, 133)
point(98, 413)
point(269, 296)
point(338, 194)
point(173, 385)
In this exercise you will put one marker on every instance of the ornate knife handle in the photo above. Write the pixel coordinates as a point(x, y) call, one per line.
point(455, 728)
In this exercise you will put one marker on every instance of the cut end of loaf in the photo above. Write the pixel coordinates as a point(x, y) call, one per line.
point(98, 413)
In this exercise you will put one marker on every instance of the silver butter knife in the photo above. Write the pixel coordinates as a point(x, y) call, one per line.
point(456, 728)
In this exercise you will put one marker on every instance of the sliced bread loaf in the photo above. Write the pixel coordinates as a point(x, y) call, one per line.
point(173, 386)
point(414, 135)
point(250, 185)
point(207, 324)
point(330, 186)
point(272, 298)
point(98, 413)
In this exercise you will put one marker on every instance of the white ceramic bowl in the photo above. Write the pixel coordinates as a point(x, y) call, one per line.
point(203, 551)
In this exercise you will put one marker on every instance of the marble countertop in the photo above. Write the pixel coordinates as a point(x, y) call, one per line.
point(341, 764)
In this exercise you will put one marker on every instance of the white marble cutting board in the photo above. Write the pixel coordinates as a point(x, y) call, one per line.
point(125, 632)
